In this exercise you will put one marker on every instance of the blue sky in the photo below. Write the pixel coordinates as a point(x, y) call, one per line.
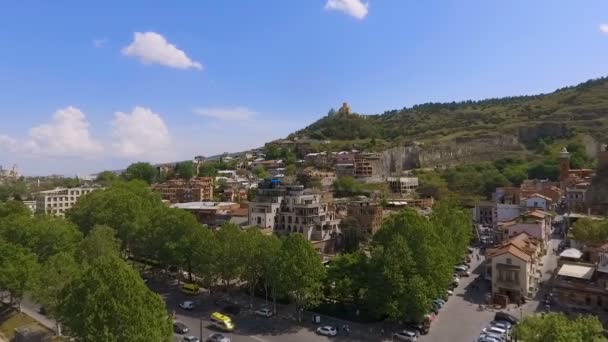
point(108, 83)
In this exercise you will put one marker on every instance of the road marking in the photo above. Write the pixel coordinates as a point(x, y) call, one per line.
point(258, 338)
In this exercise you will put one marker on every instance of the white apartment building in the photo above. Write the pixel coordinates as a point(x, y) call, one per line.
point(56, 202)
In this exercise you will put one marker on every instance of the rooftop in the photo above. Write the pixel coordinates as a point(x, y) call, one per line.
point(571, 253)
point(202, 205)
point(576, 271)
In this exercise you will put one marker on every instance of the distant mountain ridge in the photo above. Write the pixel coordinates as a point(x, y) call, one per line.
point(571, 110)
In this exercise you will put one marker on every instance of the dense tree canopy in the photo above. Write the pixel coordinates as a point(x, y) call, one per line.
point(142, 171)
point(590, 231)
point(109, 302)
point(185, 170)
point(556, 327)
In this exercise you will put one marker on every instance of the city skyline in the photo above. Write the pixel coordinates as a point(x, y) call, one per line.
point(88, 87)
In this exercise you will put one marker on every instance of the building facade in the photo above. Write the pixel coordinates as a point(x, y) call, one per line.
point(368, 166)
point(368, 214)
point(402, 186)
point(197, 189)
point(56, 202)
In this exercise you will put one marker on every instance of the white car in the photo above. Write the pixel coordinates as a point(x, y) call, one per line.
point(187, 305)
point(327, 331)
point(191, 339)
point(218, 338)
point(405, 335)
point(265, 312)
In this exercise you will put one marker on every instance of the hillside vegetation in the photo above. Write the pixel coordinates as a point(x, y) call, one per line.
point(561, 114)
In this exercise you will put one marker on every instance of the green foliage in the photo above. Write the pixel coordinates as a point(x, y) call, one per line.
point(101, 241)
point(590, 231)
point(354, 237)
point(260, 172)
point(110, 302)
point(185, 170)
point(125, 207)
point(106, 178)
point(348, 186)
point(230, 257)
point(19, 270)
point(346, 277)
point(432, 185)
point(142, 171)
point(11, 208)
point(208, 170)
point(13, 190)
point(301, 271)
point(290, 170)
point(556, 327)
point(56, 273)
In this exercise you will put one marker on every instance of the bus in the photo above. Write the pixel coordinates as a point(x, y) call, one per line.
point(222, 321)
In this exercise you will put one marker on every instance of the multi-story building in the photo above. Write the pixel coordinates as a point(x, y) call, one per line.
point(56, 202)
point(368, 166)
point(514, 268)
point(402, 185)
point(293, 209)
point(368, 214)
point(197, 189)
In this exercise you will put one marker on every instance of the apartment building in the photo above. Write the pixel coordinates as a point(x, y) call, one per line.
point(293, 209)
point(56, 202)
point(367, 213)
point(197, 189)
point(402, 185)
point(368, 166)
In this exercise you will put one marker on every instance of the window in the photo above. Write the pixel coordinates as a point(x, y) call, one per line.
point(259, 220)
point(509, 261)
point(587, 300)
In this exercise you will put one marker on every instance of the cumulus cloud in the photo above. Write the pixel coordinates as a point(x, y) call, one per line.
point(604, 28)
point(99, 43)
point(140, 134)
point(234, 113)
point(66, 135)
point(7, 143)
point(354, 8)
point(153, 48)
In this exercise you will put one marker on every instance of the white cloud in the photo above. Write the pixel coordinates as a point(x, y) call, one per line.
point(66, 135)
point(235, 113)
point(354, 8)
point(7, 143)
point(141, 134)
point(99, 43)
point(152, 48)
point(604, 28)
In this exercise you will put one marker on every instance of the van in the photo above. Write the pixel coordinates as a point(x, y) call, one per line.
point(191, 289)
point(222, 321)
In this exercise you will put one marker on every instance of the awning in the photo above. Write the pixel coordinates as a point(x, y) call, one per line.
point(572, 253)
point(576, 271)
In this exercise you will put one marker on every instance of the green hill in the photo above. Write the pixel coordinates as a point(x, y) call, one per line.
point(561, 114)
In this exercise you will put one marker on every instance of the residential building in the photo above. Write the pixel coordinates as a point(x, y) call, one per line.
point(537, 201)
point(507, 212)
point(343, 170)
point(402, 186)
point(368, 214)
point(345, 157)
point(234, 195)
point(535, 223)
point(576, 197)
point(327, 178)
point(368, 166)
point(267, 164)
point(197, 189)
point(514, 268)
point(31, 205)
point(56, 202)
point(212, 214)
point(484, 213)
point(292, 209)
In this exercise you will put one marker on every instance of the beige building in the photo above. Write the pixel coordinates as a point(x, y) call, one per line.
point(402, 185)
point(514, 268)
point(367, 213)
point(56, 202)
point(197, 189)
point(368, 166)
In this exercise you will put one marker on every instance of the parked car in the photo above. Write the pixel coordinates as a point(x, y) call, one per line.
point(459, 268)
point(503, 316)
point(464, 273)
point(440, 302)
point(187, 305)
point(191, 339)
point(217, 337)
point(502, 325)
point(327, 330)
point(265, 312)
point(180, 328)
point(405, 335)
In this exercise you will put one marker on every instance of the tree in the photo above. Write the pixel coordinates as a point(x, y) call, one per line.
point(55, 274)
point(354, 236)
point(42, 235)
point(14, 208)
point(254, 250)
point(110, 302)
point(590, 231)
point(125, 207)
point(346, 277)
point(207, 170)
point(290, 170)
point(101, 241)
point(19, 270)
point(142, 171)
point(185, 170)
point(348, 186)
point(556, 327)
point(260, 172)
point(230, 253)
point(301, 272)
point(271, 268)
point(106, 178)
